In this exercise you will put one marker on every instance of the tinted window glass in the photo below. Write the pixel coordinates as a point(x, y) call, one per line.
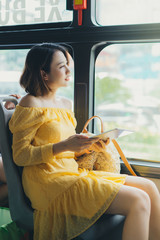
point(127, 96)
point(119, 12)
point(16, 12)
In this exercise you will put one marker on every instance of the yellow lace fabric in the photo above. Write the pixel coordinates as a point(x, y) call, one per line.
point(67, 200)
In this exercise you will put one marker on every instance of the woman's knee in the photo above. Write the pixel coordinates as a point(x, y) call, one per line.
point(151, 187)
point(142, 183)
point(130, 199)
point(140, 202)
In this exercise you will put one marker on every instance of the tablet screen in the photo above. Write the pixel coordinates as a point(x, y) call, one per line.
point(114, 133)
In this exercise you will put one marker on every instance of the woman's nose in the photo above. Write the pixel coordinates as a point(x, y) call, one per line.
point(68, 69)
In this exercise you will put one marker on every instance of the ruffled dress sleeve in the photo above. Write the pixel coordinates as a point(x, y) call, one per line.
point(24, 124)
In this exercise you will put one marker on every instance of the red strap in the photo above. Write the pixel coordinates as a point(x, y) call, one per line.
point(123, 157)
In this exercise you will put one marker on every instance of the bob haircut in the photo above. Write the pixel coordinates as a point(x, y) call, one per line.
point(39, 58)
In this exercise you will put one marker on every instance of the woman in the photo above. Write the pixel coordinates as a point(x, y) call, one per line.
point(45, 142)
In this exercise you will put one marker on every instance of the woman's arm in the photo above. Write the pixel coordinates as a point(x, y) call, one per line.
point(75, 143)
point(25, 154)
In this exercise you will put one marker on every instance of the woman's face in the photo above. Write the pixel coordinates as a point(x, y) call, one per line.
point(59, 75)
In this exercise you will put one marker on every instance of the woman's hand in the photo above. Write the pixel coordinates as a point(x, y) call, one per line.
point(100, 145)
point(15, 95)
point(79, 142)
point(76, 143)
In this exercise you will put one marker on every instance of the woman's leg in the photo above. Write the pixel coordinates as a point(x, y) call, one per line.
point(3, 186)
point(2, 174)
point(135, 205)
point(150, 188)
point(3, 195)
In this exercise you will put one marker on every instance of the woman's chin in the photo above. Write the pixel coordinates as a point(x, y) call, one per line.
point(66, 83)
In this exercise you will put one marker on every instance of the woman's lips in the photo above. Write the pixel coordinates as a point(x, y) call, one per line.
point(67, 79)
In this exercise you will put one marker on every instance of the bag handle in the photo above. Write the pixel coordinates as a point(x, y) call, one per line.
point(88, 121)
point(114, 142)
point(123, 157)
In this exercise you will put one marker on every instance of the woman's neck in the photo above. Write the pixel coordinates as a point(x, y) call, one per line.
point(51, 100)
point(50, 96)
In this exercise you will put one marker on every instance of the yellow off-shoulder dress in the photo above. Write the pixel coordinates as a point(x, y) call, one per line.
point(66, 200)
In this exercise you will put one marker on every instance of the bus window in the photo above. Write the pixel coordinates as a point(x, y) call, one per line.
point(11, 67)
point(127, 96)
point(121, 12)
point(17, 12)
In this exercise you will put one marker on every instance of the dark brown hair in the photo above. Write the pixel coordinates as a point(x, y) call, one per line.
point(39, 58)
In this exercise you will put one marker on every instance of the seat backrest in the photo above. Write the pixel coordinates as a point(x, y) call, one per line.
point(20, 209)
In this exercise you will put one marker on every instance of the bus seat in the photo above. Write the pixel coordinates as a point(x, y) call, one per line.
point(106, 227)
point(20, 209)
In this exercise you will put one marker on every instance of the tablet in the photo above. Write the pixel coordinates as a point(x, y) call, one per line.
point(114, 133)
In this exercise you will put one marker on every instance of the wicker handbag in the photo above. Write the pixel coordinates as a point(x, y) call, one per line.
point(102, 156)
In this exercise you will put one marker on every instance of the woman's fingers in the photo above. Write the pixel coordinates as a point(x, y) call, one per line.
point(15, 95)
point(107, 141)
point(89, 142)
point(79, 142)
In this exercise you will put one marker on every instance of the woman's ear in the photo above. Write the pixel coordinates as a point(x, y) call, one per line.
point(44, 75)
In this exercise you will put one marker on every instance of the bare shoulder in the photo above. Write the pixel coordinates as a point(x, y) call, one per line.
point(67, 103)
point(29, 101)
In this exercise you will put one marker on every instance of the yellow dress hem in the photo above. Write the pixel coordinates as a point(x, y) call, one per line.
point(103, 210)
